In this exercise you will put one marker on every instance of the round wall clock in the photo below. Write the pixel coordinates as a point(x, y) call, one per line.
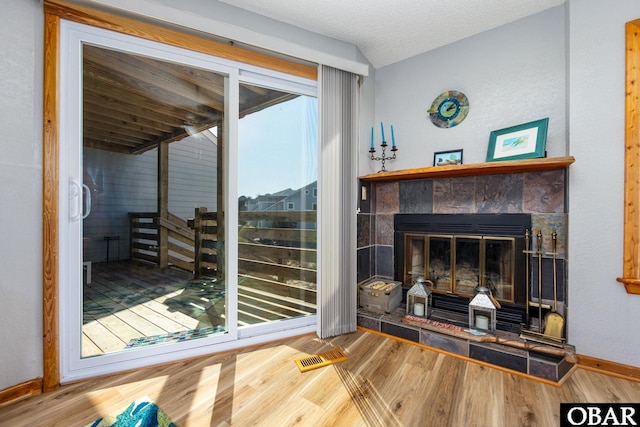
point(449, 109)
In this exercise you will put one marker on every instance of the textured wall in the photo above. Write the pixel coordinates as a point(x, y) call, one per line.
point(603, 316)
point(513, 74)
point(21, 192)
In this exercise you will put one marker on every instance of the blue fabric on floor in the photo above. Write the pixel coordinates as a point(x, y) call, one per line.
point(141, 413)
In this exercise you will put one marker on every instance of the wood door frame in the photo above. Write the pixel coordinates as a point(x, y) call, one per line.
point(55, 10)
point(50, 231)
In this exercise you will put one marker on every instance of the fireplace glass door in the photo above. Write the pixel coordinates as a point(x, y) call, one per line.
point(459, 264)
point(499, 267)
point(439, 261)
point(415, 261)
point(468, 255)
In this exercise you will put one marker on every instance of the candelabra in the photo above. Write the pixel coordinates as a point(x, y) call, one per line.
point(384, 145)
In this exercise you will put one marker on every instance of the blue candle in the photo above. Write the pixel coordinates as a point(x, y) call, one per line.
point(382, 130)
point(393, 137)
point(372, 146)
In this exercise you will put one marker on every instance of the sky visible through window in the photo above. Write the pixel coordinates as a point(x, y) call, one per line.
point(279, 148)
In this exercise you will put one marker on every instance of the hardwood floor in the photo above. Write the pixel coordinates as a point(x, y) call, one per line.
point(385, 382)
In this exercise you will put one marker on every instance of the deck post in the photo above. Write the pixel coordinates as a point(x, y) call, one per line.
point(163, 203)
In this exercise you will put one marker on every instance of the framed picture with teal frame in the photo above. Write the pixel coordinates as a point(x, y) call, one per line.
point(525, 141)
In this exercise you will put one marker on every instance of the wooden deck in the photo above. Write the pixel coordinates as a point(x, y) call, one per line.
point(134, 301)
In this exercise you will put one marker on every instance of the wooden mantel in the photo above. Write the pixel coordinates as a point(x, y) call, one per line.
point(490, 168)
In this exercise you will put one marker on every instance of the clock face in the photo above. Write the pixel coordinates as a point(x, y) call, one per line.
point(449, 109)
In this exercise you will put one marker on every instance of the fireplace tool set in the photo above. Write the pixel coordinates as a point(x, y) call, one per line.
point(550, 328)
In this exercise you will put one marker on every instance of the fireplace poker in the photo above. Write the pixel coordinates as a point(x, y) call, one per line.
point(539, 281)
point(527, 242)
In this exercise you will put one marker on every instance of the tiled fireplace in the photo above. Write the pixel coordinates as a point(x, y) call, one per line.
point(536, 197)
point(458, 253)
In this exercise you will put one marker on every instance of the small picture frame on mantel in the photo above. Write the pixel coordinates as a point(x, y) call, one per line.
point(447, 158)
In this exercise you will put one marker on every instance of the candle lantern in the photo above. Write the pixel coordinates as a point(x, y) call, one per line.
point(482, 311)
point(419, 298)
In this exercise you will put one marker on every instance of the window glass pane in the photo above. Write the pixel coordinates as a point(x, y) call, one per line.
point(150, 162)
point(277, 182)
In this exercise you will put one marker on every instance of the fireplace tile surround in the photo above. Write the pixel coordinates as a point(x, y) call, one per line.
point(542, 194)
point(539, 193)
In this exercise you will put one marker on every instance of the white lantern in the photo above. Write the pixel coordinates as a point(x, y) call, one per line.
point(482, 311)
point(419, 298)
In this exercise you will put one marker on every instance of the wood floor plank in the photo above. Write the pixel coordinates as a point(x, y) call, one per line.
point(365, 406)
point(383, 383)
point(448, 377)
point(470, 399)
point(604, 385)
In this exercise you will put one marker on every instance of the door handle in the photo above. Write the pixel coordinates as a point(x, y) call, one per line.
point(74, 205)
point(78, 194)
point(87, 200)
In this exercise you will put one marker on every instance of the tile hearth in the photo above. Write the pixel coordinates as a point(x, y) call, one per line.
point(510, 351)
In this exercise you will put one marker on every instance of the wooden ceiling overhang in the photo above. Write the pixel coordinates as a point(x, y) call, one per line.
point(132, 103)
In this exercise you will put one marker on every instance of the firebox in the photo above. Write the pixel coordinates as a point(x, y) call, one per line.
point(459, 253)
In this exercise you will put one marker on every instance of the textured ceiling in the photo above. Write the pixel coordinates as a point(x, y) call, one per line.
point(388, 31)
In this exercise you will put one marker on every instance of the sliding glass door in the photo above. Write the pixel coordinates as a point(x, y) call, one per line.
point(278, 184)
point(150, 165)
point(188, 197)
point(144, 194)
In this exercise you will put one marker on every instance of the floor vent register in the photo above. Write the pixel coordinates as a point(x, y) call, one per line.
point(319, 360)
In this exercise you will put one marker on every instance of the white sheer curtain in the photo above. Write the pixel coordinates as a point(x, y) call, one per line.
point(338, 102)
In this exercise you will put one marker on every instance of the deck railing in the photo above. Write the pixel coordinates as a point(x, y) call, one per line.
point(279, 245)
point(277, 256)
point(146, 243)
point(209, 255)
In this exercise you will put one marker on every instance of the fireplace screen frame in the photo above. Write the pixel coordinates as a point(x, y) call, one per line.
point(512, 225)
point(444, 267)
